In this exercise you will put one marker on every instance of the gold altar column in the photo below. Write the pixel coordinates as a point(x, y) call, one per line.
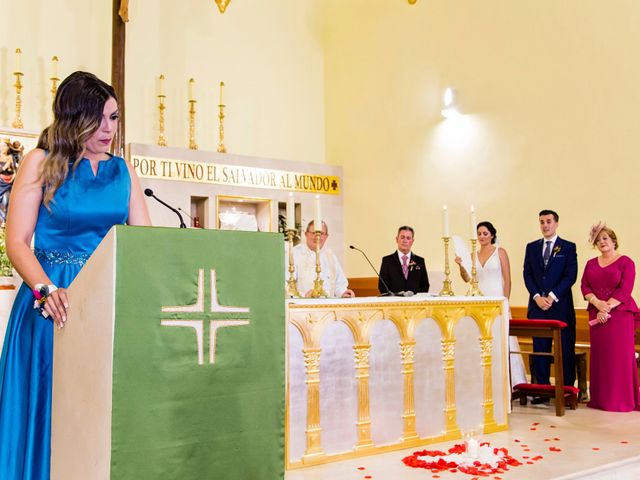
point(407, 350)
point(452, 431)
point(361, 353)
point(313, 431)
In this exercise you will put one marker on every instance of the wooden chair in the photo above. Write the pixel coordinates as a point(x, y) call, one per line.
point(545, 329)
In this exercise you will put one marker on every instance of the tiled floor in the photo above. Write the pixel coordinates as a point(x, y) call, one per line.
point(592, 445)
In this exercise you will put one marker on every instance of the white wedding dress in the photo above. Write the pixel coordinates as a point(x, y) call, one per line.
point(490, 284)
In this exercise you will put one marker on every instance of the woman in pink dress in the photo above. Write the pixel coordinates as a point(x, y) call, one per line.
point(607, 283)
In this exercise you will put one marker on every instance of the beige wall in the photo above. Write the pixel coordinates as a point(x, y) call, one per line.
point(550, 91)
point(269, 56)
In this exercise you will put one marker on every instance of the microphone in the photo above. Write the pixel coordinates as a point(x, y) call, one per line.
point(149, 193)
point(388, 292)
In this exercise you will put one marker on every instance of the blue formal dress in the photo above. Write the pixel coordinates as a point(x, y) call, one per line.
point(83, 210)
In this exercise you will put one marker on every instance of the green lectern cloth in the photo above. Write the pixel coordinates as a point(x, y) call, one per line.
point(198, 368)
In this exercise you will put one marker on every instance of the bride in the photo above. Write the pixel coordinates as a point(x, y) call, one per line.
point(494, 280)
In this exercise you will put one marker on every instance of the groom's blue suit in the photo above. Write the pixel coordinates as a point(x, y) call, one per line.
point(558, 277)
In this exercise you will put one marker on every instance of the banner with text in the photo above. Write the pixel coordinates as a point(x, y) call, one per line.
point(236, 175)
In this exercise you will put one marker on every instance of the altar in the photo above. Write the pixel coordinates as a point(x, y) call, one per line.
point(368, 375)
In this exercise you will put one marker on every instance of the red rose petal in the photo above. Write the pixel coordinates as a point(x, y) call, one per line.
point(367, 476)
point(533, 428)
point(595, 448)
point(526, 449)
point(547, 439)
point(361, 468)
point(535, 424)
point(556, 439)
point(624, 441)
point(516, 440)
point(552, 426)
point(529, 463)
point(525, 456)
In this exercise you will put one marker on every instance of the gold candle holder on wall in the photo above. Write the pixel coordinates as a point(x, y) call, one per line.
point(446, 291)
point(54, 77)
point(162, 141)
point(17, 122)
point(192, 125)
point(292, 286)
point(474, 290)
point(318, 289)
point(221, 147)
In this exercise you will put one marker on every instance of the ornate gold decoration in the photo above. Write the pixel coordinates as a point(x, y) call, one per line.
point(312, 319)
point(318, 290)
point(363, 424)
point(221, 148)
point(222, 5)
point(54, 77)
point(192, 125)
point(292, 286)
point(17, 122)
point(162, 141)
point(474, 290)
point(412, 2)
point(446, 291)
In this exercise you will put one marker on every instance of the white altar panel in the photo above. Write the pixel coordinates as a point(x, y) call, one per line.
point(338, 389)
point(429, 379)
point(468, 375)
point(385, 383)
point(297, 399)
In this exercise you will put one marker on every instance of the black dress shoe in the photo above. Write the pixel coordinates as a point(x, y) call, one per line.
point(539, 401)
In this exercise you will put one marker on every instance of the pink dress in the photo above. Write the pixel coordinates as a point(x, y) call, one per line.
point(612, 366)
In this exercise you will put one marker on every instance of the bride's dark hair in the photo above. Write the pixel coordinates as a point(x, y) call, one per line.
point(77, 113)
point(492, 230)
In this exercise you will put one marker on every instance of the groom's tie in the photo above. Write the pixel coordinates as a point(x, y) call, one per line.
point(547, 252)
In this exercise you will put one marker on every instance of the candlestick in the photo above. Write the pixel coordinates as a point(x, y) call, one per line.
point(54, 76)
point(18, 63)
point(192, 125)
point(474, 290)
point(291, 212)
point(472, 217)
point(292, 286)
point(162, 141)
point(446, 291)
point(318, 289)
point(17, 122)
point(317, 214)
point(221, 89)
point(445, 222)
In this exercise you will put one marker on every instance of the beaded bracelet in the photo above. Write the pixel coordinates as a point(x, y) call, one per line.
point(41, 292)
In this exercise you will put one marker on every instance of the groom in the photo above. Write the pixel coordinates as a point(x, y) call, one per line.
point(550, 269)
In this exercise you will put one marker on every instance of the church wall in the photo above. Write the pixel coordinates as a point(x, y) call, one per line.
point(549, 92)
point(269, 56)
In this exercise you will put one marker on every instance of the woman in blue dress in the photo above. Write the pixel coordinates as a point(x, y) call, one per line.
point(67, 195)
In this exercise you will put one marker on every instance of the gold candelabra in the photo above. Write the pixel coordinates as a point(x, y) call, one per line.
point(221, 147)
point(54, 76)
point(446, 291)
point(292, 286)
point(318, 290)
point(162, 141)
point(17, 123)
point(474, 290)
point(192, 125)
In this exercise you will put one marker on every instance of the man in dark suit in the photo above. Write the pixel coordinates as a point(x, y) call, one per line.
point(403, 270)
point(550, 270)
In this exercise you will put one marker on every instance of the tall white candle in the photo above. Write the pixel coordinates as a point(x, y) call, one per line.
point(191, 82)
point(18, 63)
point(161, 85)
point(291, 212)
point(317, 217)
point(472, 217)
point(54, 67)
point(445, 222)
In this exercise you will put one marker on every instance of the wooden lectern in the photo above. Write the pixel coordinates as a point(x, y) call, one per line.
point(171, 364)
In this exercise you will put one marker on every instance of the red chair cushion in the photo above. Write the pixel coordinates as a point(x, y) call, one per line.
point(537, 323)
point(537, 387)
